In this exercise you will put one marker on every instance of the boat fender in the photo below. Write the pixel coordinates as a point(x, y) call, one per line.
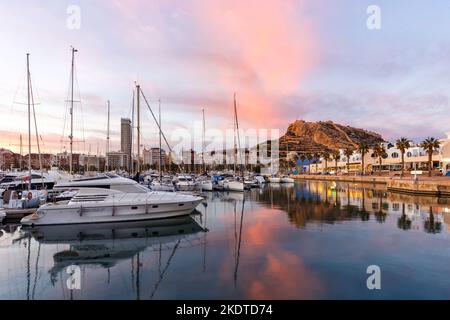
point(29, 196)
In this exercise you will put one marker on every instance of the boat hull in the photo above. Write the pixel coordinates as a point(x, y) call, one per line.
point(60, 214)
point(207, 186)
point(274, 180)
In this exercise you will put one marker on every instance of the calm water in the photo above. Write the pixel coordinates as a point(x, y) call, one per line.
point(310, 240)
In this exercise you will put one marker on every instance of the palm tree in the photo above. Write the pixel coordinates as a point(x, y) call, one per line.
point(326, 158)
point(379, 151)
point(363, 148)
point(430, 145)
point(316, 159)
point(303, 158)
point(402, 144)
point(309, 157)
point(348, 153)
point(336, 157)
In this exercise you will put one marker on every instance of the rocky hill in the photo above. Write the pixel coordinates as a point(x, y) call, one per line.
point(311, 137)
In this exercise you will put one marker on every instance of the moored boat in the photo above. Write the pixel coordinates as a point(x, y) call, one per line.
point(120, 200)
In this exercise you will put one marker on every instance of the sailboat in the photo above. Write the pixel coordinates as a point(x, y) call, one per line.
point(233, 184)
point(15, 204)
point(206, 184)
point(162, 183)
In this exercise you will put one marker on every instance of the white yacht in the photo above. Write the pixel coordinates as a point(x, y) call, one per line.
point(230, 184)
point(164, 185)
point(20, 181)
point(110, 198)
point(207, 185)
point(185, 183)
point(274, 179)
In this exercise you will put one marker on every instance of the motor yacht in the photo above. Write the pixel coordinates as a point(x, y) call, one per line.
point(185, 183)
point(110, 198)
point(232, 184)
point(274, 179)
point(164, 185)
point(21, 181)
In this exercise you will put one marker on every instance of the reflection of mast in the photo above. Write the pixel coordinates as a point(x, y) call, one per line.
point(239, 244)
point(28, 267)
point(161, 275)
point(138, 269)
point(204, 238)
point(36, 271)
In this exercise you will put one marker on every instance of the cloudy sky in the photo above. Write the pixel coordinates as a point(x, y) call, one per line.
point(286, 60)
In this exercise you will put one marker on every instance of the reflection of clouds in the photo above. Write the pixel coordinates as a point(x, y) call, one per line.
point(284, 276)
point(281, 274)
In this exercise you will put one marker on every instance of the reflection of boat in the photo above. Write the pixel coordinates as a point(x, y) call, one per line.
point(106, 244)
point(113, 199)
point(286, 180)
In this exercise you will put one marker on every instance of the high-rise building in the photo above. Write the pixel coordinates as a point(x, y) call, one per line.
point(151, 156)
point(125, 140)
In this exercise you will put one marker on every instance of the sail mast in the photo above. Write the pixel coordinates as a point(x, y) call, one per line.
point(203, 141)
point(29, 121)
point(237, 130)
point(234, 135)
point(138, 90)
point(107, 140)
point(21, 154)
point(160, 151)
point(71, 110)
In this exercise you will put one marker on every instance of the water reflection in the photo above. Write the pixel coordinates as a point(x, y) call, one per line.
point(331, 202)
point(104, 246)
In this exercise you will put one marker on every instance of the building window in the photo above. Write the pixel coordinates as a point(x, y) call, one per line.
point(394, 155)
point(409, 154)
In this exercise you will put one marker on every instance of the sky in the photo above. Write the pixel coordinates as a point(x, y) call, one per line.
point(286, 60)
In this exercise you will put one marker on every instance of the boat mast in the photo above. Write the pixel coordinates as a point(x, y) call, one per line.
point(71, 111)
point(203, 141)
point(107, 140)
point(29, 121)
point(21, 154)
point(131, 160)
point(160, 151)
point(237, 130)
point(234, 135)
point(37, 135)
point(138, 90)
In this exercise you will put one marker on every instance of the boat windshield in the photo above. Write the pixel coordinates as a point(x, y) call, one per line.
point(130, 188)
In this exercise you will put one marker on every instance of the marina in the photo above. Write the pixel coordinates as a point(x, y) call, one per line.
point(224, 150)
point(307, 240)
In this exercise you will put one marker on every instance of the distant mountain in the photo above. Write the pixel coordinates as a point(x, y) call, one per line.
point(311, 137)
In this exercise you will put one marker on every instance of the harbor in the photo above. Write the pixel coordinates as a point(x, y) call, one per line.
point(292, 238)
point(209, 151)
